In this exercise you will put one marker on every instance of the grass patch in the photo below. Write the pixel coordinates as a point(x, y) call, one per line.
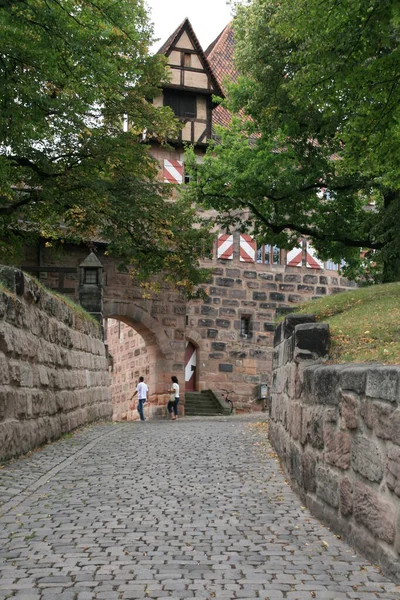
point(76, 308)
point(364, 323)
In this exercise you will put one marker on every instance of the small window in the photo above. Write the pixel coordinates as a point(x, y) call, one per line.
point(330, 265)
point(91, 276)
point(276, 255)
point(183, 105)
point(245, 329)
point(269, 255)
point(188, 106)
point(187, 178)
point(264, 254)
point(187, 59)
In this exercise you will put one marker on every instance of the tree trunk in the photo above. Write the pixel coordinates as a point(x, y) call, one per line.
point(391, 222)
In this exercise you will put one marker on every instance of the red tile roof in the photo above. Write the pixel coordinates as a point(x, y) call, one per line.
point(220, 56)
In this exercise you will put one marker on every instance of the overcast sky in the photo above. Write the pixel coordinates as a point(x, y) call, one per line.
point(208, 18)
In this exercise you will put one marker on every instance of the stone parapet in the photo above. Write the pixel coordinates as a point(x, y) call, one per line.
point(336, 429)
point(53, 366)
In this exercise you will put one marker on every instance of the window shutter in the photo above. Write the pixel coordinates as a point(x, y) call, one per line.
point(173, 171)
point(312, 261)
point(225, 246)
point(247, 248)
point(294, 257)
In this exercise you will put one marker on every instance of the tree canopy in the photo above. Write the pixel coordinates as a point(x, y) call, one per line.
point(314, 148)
point(70, 70)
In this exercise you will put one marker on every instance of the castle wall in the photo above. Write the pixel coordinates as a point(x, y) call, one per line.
point(227, 359)
point(53, 366)
point(336, 430)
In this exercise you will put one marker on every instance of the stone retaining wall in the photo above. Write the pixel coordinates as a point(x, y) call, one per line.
point(53, 368)
point(336, 429)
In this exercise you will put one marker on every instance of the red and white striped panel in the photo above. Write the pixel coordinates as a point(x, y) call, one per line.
point(294, 258)
point(312, 260)
point(190, 364)
point(247, 248)
point(173, 171)
point(225, 246)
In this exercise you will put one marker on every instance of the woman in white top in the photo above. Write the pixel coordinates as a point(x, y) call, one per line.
point(174, 400)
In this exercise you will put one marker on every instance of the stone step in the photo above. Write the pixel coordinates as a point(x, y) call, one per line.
point(203, 414)
point(201, 409)
point(201, 404)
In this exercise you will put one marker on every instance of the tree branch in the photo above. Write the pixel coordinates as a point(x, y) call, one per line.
point(8, 210)
point(9, 3)
point(314, 233)
point(83, 25)
point(21, 161)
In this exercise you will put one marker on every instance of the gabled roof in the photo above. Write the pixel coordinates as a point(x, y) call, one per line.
point(220, 56)
point(169, 44)
point(91, 261)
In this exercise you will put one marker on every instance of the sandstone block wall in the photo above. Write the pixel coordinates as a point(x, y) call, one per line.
point(226, 359)
point(259, 292)
point(164, 323)
point(53, 368)
point(336, 429)
point(130, 360)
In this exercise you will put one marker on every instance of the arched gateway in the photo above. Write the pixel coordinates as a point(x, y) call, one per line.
point(164, 355)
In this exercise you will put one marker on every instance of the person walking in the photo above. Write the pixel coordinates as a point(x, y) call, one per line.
point(174, 400)
point(141, 391)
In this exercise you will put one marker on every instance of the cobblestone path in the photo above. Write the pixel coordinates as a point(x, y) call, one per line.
point(196, 508)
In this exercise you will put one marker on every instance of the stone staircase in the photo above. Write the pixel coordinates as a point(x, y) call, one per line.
point(204, 404)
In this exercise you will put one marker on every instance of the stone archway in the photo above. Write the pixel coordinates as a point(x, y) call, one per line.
point(165, 356)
